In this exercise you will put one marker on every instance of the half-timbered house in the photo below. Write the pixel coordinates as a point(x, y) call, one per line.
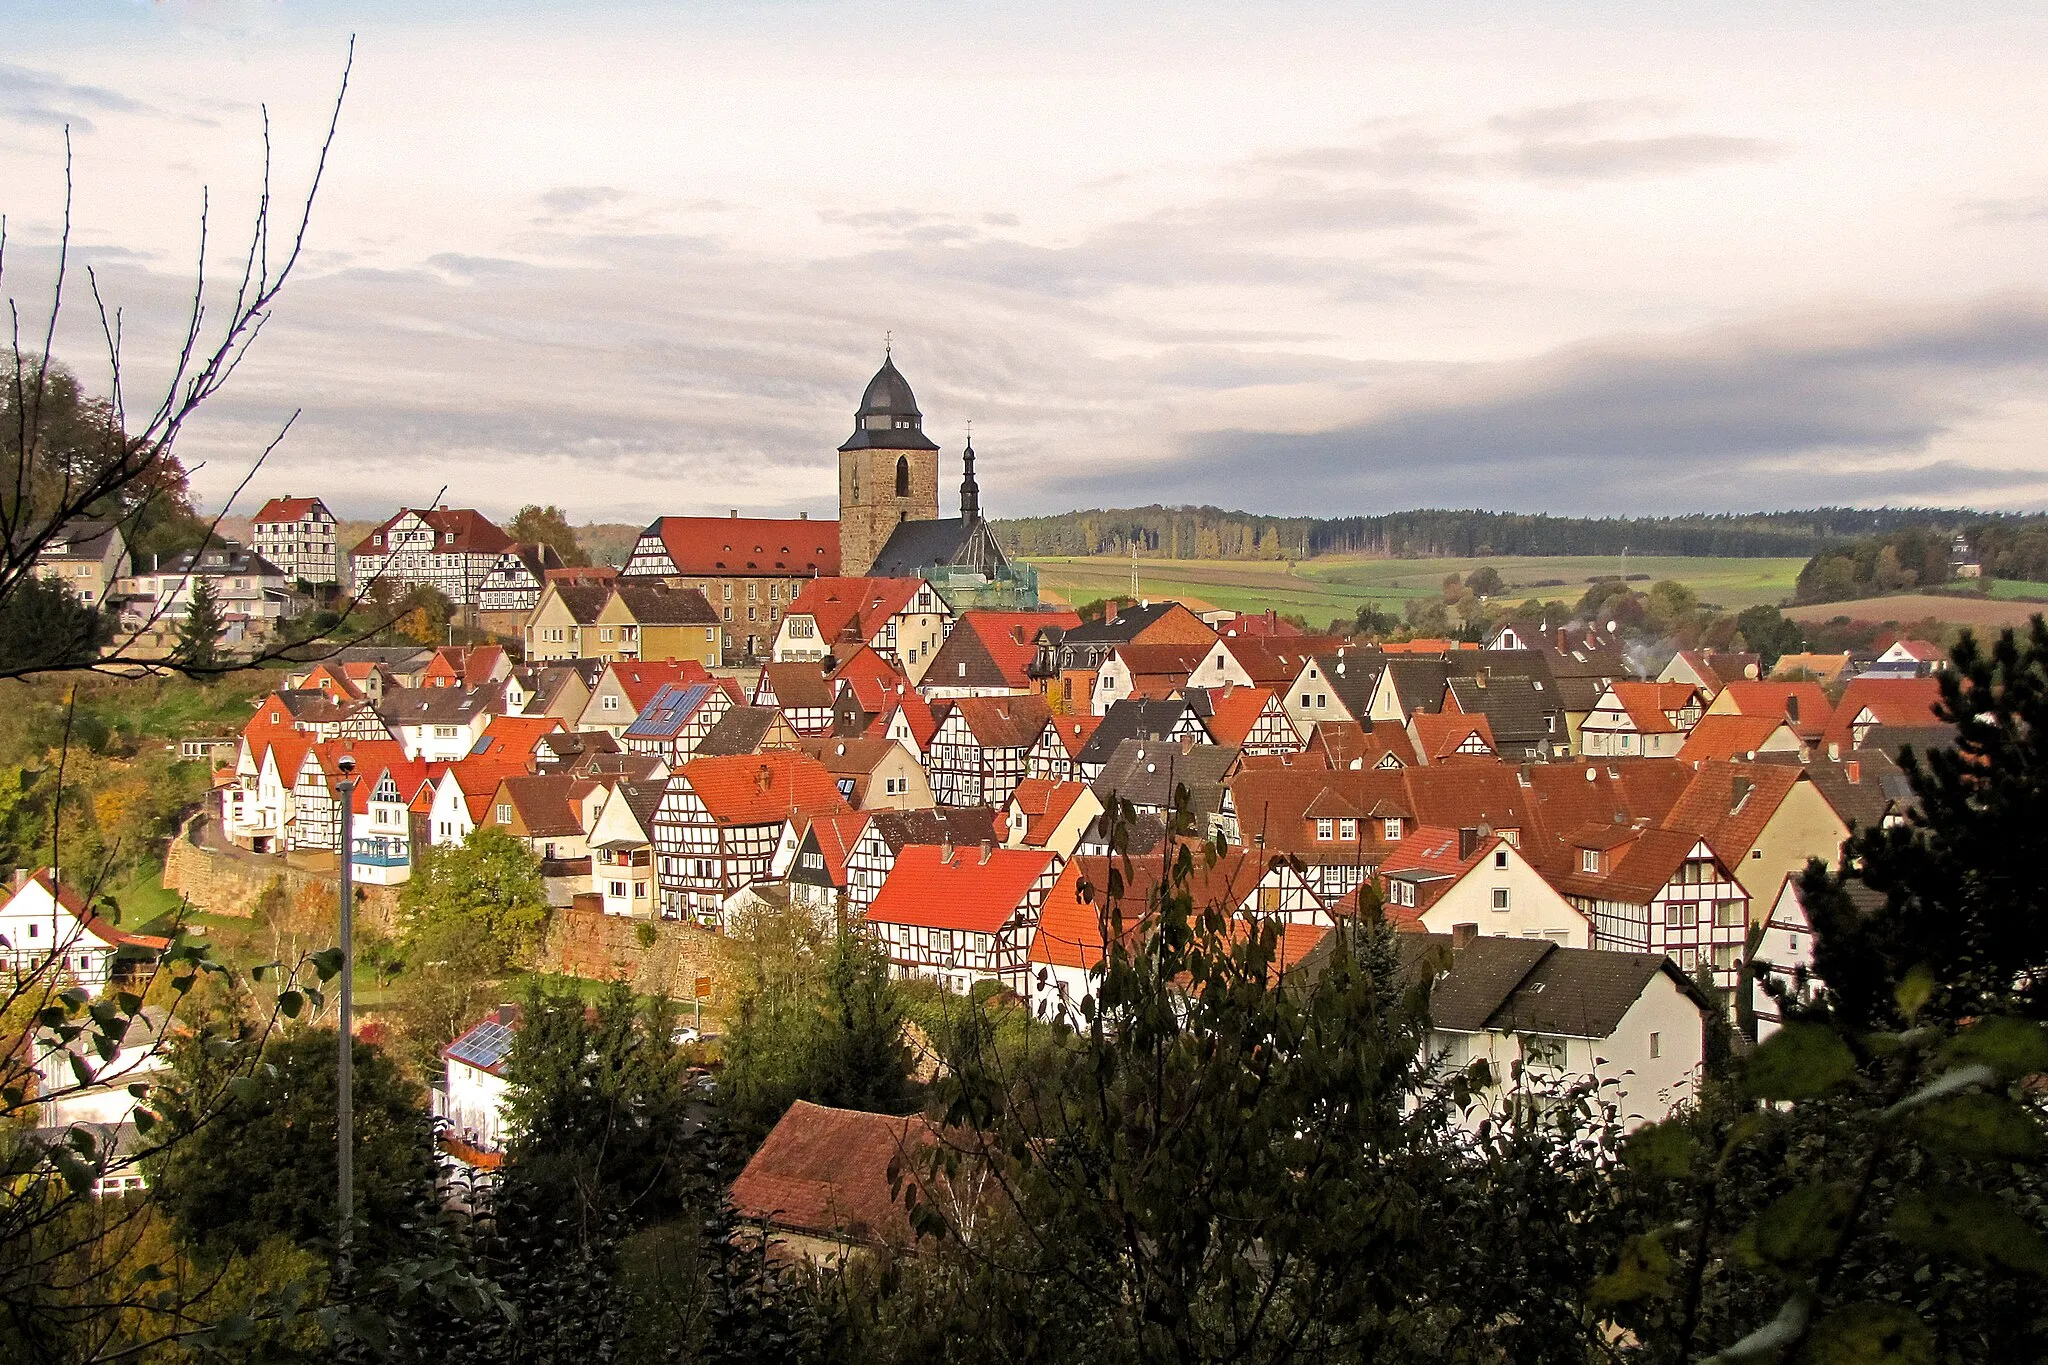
point(675, 721)
point(719, 823)
point(963, 915)
point(977, 756)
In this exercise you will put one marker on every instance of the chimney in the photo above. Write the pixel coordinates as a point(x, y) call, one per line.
point(508, 1015)
point(803, 516)
point(1463, 935)
point(1109, 614)
point(1468, 842)
point(1792, 709)
point(735, 514)
point(945, 848)
point(765, 778)
point(988, 850)
point(1853, 769)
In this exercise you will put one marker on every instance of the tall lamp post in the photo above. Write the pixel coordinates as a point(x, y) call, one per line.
point(344, 1100)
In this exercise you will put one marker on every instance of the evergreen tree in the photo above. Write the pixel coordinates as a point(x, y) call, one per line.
point(857, 1056)
point(199, 633)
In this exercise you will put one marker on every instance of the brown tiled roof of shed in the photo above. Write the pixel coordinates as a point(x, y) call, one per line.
point(825, 1172)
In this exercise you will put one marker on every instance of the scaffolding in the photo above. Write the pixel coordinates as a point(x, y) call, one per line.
point(1014, 587)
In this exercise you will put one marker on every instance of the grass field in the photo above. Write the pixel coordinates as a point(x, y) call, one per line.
point(2012, 589)
point(1962, 611)
point(1337, 585)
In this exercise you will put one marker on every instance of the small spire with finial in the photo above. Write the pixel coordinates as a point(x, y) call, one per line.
point(970, 492)
point(888, 344)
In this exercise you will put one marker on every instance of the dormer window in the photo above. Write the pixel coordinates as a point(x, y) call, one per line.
point(1589, 860)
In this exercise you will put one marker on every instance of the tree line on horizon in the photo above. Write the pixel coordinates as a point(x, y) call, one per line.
point(1213, 533)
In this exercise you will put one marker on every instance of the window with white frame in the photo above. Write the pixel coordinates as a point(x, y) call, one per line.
point(1500, 898)
point(1393, 830)
point(1326, 830)
point(1347, 830)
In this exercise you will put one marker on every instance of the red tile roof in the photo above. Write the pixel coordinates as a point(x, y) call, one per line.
point(1438, 735)
point(104, 930)
point(641, 679)
point(1277, 661)
point(976, 890)
point(1004, 722)
point(765, 545)
point(759, 789)
point(1010, 637)
point(1647, 703)
point(1781, 700)
point(825, 1172)
point(1728, 737)
point(1070, 929)
point(474, 532)
point(838, 603)
point(284, 509)
point(837, 832)
point(1905, 702)
point(1728, 804)
point(1044, 803)
point(1073, 731)
point(1234, 711)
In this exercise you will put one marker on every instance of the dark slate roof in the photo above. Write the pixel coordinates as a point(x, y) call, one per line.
point(1892, 739)
point(546, 684)
point(437, 705)
point(1514, 985)
point(1129, 621)
point(963, 826)
point(915, 546)
point(1515, 709)
point(888, 396)
point(571, 748)
point(584, 600)
point(1477, 979)
point(657, 604)
point(739, 731)
point(1145, 772)
point(79, 540)
point(1419, 683)
point(642, 799)
point(1350, 675)
point(1879, 785)
point(1131, 718)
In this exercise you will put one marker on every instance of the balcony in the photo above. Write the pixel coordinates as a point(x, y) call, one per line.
point(379, 853)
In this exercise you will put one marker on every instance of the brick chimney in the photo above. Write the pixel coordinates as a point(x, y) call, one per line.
point(945, 849)
point(765, 778)
point(1468, 843)
point(1463, 935)
point(988, 850)
point(1853, 770)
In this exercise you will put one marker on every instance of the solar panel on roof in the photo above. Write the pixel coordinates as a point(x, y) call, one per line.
point(484, 1046)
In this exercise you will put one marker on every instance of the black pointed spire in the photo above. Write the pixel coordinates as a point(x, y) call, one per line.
point(970, 492)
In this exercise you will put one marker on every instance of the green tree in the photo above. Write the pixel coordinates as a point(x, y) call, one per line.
point(1769, 634)
point(471, 914)
point(597, 1103)
point(1485, 581)
point(265, 1164)
point(199, 633)
point(1671, 605)
point(44, 627)
point(857, 1056)
point(548, 526)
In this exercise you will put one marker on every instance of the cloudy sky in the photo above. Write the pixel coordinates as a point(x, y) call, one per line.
point(1569, 257)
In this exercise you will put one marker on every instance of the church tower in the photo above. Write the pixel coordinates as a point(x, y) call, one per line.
point(888, 471)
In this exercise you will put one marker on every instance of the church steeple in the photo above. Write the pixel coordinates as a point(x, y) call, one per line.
point(970, 492)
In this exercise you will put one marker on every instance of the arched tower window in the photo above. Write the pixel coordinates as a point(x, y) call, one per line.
point(902, 476)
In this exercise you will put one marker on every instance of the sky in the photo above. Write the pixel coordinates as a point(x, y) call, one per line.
point(640, 259)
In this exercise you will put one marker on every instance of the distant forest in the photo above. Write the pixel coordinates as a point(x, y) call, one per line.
point(1212, 533)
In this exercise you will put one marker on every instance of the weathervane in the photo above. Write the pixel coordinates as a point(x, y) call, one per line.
point(888, 343)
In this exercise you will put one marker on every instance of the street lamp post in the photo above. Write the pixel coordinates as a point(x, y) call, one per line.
point(344, 1100)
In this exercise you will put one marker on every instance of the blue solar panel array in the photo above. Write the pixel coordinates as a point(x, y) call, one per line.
point(483, 1046)
point(668, 708)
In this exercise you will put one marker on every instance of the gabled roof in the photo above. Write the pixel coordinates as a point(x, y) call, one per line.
point(1235, 711)
point(1728, 804)
point(1350, 673)
point(1044, 803)
point(995, 646)
point(1003, 722)
point(862, 605)
point(1072, 731)
point(520, 736)
point(1132, 718)
point(826, 1172)
point(1518, 709)
point(974, 890)
point(641, 800)
point(1510, 985)
point(915, 546)
point(670, 709)
point(730, 545)
point(1130, 622)
point(799, 686)
point(546, 803)
point(439, 705)
point(962, 825)
point(640, 679)
point(1889, 701)
point(654, 603)
point(1731, 737)
point(741, 730)
point(1169, 661)
point(1145, 772)
point(1647, 702)
point(918, 714)
point(583, 601)
point(756, 789)
point(1650, 860)
point(89, 919)
point(285, 509)
point(474, 533)
point(1439, 737)
point(1826, 667)
point(1562, 799)
point(1718, 667)
point(850, 756)
point(1419, 683)
point(1800, 704)
point(1276, 661)
point(834, 835)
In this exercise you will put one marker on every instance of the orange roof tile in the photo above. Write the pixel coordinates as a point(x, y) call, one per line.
point(1891, 701)
point(1234, 711)
point(758, 789)
point(976, 890)
point(1801, 704)
point(1728, 737)
point(837, 603)
point(826, 1172)
point(767, 545)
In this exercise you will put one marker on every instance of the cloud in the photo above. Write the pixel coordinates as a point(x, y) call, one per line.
point(1612, 158)
point(1835, 407)
point(1577, 117)
point(2031, 208)
point(568, 200)
point(46, 99)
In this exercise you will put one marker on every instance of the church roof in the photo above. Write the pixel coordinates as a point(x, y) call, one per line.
point(888, 418)
point(915, 546)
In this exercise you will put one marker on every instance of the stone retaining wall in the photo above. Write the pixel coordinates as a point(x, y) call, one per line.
point(601, 947)
point(228, 884)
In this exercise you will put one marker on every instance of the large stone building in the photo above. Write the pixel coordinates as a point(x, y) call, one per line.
point(748, 568)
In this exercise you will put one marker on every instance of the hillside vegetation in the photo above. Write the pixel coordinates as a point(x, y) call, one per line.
point(1213, 533)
